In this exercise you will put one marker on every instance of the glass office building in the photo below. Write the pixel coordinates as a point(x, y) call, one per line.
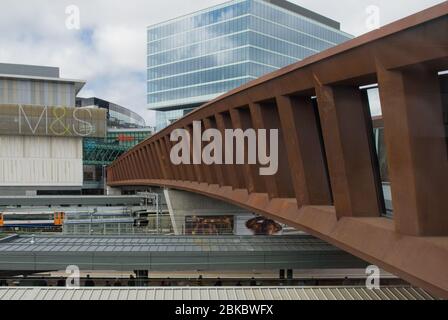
point(117, 116)
point(195, 58)
point(125, 129)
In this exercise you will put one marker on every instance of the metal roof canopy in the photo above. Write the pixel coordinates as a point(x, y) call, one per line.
point(171, 253)
point(216, 293)
point(98, 221)
point(36, 201)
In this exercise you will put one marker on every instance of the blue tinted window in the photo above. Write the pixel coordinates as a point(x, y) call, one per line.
point(211, 52)
point(198, 21)
point(196, 64)
point(203, 90)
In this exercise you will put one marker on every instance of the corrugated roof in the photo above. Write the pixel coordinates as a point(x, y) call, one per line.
point(171, 253)
point(216, 294)
point(164, 243)
point(54, 201)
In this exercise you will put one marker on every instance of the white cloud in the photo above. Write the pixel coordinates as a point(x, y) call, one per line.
point(122, 46)
point(110, 49)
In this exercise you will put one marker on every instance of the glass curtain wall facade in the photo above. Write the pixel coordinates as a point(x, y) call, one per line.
point(125, 129)
point(196, 58)
point(118, 116)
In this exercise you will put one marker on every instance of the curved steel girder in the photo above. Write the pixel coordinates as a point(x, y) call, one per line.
point(371, 239)
point(404, 58)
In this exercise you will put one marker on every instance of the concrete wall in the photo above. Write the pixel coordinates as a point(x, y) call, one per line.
point(182, 204)
point(40, 161)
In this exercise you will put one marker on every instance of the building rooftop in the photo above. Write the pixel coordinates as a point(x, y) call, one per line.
point(38, 73)
point(305, 12)
point(130, 130)
point(63, 200)
point(85, 102)
point(216, 293)
point(279, 3)
point(29, 70)
point(164, 244)
point(171, 253)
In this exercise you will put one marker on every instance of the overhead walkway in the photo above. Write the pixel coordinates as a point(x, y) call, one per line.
point(101, 153)
point(328, 181)
point(171, 253)
point(216, 294)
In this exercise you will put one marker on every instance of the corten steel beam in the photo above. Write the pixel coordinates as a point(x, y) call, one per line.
point(216, 170)
point(135, 168)
point(149, 163)
point(190, 169)
point(129, 161)
point(156, 160)
point(404, 58)
point(142, 165)
point(265, 116)
point(195, 156)
point(241, 119)
point(152, 164)
point(126, 165)
point(175, 169)
point(346, 137)
point(230, 175)
point(207, 171)
point(159, 159)
point(240, 169)
point(417, 149)
point(304, 150)
point(166, 159)
point(197, 153)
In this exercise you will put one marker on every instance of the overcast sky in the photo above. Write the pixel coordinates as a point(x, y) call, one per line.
point(109, 50)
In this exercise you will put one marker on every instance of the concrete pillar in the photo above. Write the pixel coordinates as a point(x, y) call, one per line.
point(169, 204)
point(141, 278)
point(182, 204)
point(113, 191)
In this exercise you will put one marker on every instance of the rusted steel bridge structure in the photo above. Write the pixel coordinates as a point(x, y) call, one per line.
point(328, 182)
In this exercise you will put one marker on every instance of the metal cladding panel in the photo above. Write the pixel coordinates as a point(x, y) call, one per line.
point(216, 294)
point(102, 261)
point(40, 161)
point(43, 201)
point(52, 121)
point(10, 261)
point(167, 253)
point(29, 70)
point(48, 261)
point(163, 244)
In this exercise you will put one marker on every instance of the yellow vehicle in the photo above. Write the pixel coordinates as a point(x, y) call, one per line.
point(31, 220)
